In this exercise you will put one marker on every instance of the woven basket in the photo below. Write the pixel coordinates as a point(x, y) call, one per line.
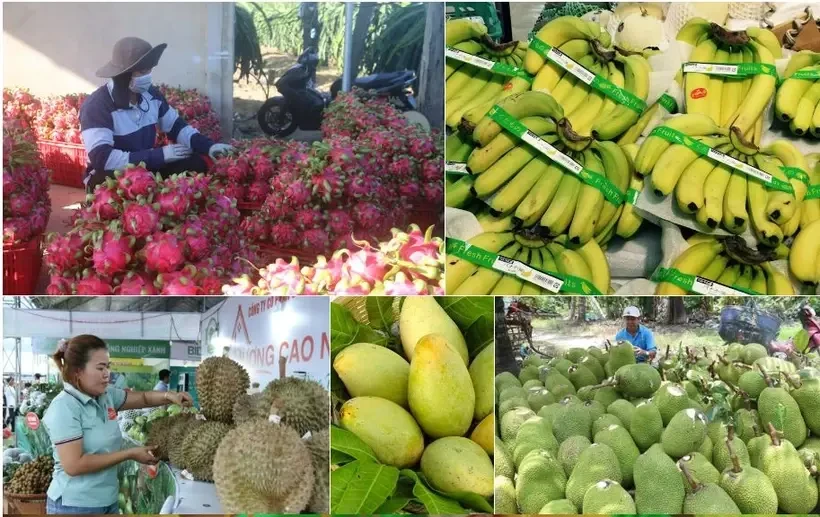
point(24, 504)
point(357, 306)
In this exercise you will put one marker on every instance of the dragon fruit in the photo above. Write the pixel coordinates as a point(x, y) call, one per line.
point(59, 285)
point(172, 202)
point(316, 239)
point(20, 204)
point(105, 202)
point(257, 192)
point(328, 184)
point(235, 191)
point(140, 220)
point(403, 168)
point(367, 215)
point(308, 218)
point(138, 284)
point(409, 190)
point(275, 205)
point(402, 285)
point(181, 286)
point(16, 230)
point(297, 194)
point(433, 192)
point(340, 222)
point(422, 148)
point(93, 284)
point(363, 187)
point(65, 252)
point(432, 170)
point(112, 253)
point(210, 285)
point(262, 170)
point(163, 253)
point(136, 181)
point(197, 243)
point(284, 235)
point(255, 227)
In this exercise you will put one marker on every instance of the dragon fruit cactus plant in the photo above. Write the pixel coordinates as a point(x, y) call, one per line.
point(410, 263)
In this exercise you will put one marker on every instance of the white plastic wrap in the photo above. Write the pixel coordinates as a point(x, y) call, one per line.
point(461, 224)
point(681, 12)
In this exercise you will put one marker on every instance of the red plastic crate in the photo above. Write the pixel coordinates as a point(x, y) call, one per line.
point(21, 266)
point(268, 254)
point(67, 162)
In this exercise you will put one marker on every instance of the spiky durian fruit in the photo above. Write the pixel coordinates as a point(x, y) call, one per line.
point(319, 445)
point(219, 382)
point(176, 440)
point(199, 448)
point(248, 407)
point(303, 405)
point(159, 433)
point(262, 467)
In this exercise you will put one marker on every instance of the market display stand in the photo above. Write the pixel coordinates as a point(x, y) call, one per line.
point(196, 497)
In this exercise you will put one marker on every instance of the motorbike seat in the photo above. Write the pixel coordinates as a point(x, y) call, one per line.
point(385, 80)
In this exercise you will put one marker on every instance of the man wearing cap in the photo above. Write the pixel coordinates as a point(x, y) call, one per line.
point(642, 339)
point(118, 121)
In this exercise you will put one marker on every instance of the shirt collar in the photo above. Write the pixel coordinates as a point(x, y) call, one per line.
point(110, 85)
point(77, 394)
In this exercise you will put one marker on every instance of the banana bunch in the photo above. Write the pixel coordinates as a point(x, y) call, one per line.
point(736, 103)
point(804, 256)
point(731, 263)
point(717, 195)
point(589, 113)
point(457, 148)
point(798, 100)
point(467, 86)
point(518, 180)
point(587, 262)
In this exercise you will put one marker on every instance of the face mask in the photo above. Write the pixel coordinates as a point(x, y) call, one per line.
point(140, 84)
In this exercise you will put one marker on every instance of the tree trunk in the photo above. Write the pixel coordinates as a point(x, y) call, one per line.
point(648, 307)
point(677, 312)
point(431, 80)
point(360, 29)
point(310, 20)
point(504, 357)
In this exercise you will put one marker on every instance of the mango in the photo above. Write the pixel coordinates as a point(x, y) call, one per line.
point(483, 434)
point(422, 315)
point(369, 370)
point(455, 464)
point(440, 391)
point(386, 427)
point(482, 373)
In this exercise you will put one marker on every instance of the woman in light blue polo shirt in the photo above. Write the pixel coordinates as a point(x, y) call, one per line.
point(82, 424)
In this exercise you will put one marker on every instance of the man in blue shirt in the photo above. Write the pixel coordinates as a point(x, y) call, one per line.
point(635, 333)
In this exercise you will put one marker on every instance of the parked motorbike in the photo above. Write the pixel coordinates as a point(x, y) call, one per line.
point(301, 105)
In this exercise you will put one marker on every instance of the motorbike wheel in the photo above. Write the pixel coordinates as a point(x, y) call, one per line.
point(275, 118)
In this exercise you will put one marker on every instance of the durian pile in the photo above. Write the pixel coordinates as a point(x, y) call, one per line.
point(33, 477)
point(592, 431)
point(266, 453)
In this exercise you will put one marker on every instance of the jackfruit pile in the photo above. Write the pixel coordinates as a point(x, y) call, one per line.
point(591, 431)
point(266, 453)
point(428, 409)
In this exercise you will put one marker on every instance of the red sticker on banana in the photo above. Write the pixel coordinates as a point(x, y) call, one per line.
point(699, 93)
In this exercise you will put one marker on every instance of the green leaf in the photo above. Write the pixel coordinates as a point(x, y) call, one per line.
point(366, 334)
point(339, 458)
point(470, 499)
point(361, 487)
point(433, 502)
point(343, 328)
point(465, 310)
point(380, 311)
point(348, 443)
point(480, 334)
point(392, 505)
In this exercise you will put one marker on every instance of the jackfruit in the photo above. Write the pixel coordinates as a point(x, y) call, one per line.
point(249, 464)
point(748, 424)
point(557, 507)
point(563, 390)
point(369, 370)
point(775, 404)
point(539, 397)
point(504, 498)
point(528, 373)
point(619, 440)
point(796, 489)
point(574, 354)
point(807, 397)
point(658, 484)
point(606, 395)
point(533, 434)
point(813, 443)
point(704, 498)
point(559, 364)
point(512, 393)
point(549, 411)
point(219, 382)
point(510, 404)
point(722, 459)
point(607, 497)
point(598, 354)
point(596, 463)
point(623, 410)
point(540, 480)
point(483, 433)
point(571, 420)
point(532, 360)
point(755, 447)
point(512, 421)
point(619, 355)
point(594, 366)
point(503, 460)
point(728, 372)
point(456, 464)
point(603, 422)
point(301, 404)
point(596, 409)
point(691, 389)
point(637, 380)
point(200, 448)
point(752, 352)
point(440, 391)
point(422, 315)
point(570, 451)
point(386, 427)
point(700, 468)
point(535, 383)
point(505, 380)
point(646, 426)
point(706, 448)
point(586, 393)
point(553, 380)
point(753, 383)
point(749, 488)
point(684, 434)
point(670, 399)
point(734, 352)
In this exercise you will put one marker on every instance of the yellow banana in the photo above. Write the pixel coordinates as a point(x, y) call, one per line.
point(811, 207)
point(805, 254)
point(489, 92)
point(694, 30)
point(459, 193)
point(755, 101)
point(732, 90)
point(468, 92)
point(711, 213)
point(697, 94)
point(691, 262)
point(689, 192)
point(632, 134)
point(588, 206)
point(715, 268)
point(735, 216)
point(788, 96)
point(502, 170)
point(510, 196)
point(535, 203)
point(766, 231)
point(791, 156)
point(482, 281)
point(549, 74)
point(654, 146)
point(493, 224)
point(801, 123)
point(473, 116)
point(482, 158)
point(458, 269)
point(560, 211)
point(595, 259)
point(781, 205)
point(463, 29)
point(758, 284)
point(715, 89)
point(616, 76)
point(671, 164)
point(510, 285)
point(555, 33)
point(618, 170)
point(766, 38)
point(518, 106)
point(791, 226)
point(777, 283)
point(744, 281)
point(459, 80)
point(530, 289)
point(730, 275)
point(570, 263)
point(636, 80)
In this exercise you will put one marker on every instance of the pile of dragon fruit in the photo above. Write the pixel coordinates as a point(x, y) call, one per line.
point(370, 172)
point(26, 203)
point(142, 235)
point(194, 108)
point(410, 263)
point(58, 119)
point(20, 107)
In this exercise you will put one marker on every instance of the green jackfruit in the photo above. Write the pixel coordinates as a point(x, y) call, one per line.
point(596, 409)
point(549, 411)
point(807, 397)
point(606, 396)
point(535, 383)
point(574, 354)
point(658, 484)
point(528, 373)
point(503, 460)
point(557, 507)
point(597, 463)
point(637, 380)
point(606, 498)
point(533, 434)
point(774, 365)
point(581, 376)
point(621, 443)
point(729, 372)
point(749, 488)
point(748, 424)
point(512, 392)
point(561, 365)
point(752, 352)
point(670, 399)
point(570, 451)
point(510, 404)
point(691, 389)
point(603, 422)
point(597, 353)
point(594, 366)
point(706, 448)
point(813, 443)
point(773, 403)
point(619, 355)
point(809, 457)
point(540, 397)
point(796, 489)
point(533, 360)
point(722, 459)
point(753, 383)
point(553, 379)
point(705, 498)
point(564, 390)
point(540, 480)
point(512, 421)
point(734, 352)
point(700, 467)
point(505, 380)
point(623, 410)
point(684, 434)
point(755, 447)
point(572, 420)
point(586, 393)
point(481, 373)
point(646, 426)
point(504, 499)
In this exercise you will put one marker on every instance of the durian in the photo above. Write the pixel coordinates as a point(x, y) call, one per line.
point(219, 382)
point(262, 467)
point(199, 449)
point(303, 405)
point(159, 434)
point(176, 440)
point(248, 407)
point(319, 445)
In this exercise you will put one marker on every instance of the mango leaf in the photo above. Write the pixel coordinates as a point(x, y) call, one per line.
point(480, 334)
point(365, 334)
point(470, 499)
point(343, 328)
point(392, 505)
point(337, 387)
point(339, 458)
point(348, 443)
point(433, 502)
point(465, 310)
point(380, 311)
point(361, 487)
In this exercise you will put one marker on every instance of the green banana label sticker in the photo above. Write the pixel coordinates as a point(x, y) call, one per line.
point(456, 168)
point(676, 137)
point(632, 196)
point(796, 173)
point(813, 192)
point(737, 70)
point(552, 282)
point(493, 66)
point(698, 285)
point(591, 178)
point(806, 73)
point(668, 103)
point(616, 93)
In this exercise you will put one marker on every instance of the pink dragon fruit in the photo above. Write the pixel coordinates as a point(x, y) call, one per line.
point(172, 202)
point(59, 285)
point(283, 277)
point(325, 274)
point(367, 215)
point(106, 203)
point(16, 230)
point(136, 284)
point(284, 235)
point(20, 204)
point(112, 253)
point(369, 264)
point(238, 170)
point(196, 241)
point(65, 252)
point(210, 285)
point(401, 285)
point(297, 194)
point(433, 192)
point(255, 227)
point(275, 205)
point(316, 239)
point(262, 170)
point(352, 286)
point(136, 181)
point(39, 218)
point(421, 148)
point(235, 191)
point(257, 192)
point(163, 253)
point(403, 168)
point(432, 170)
point(92, 284)
point(309, 218)
point(362, 187)
point(140, 220)
point(409, 190)
point(328, 184)
point(181, 286)
point(340, 222)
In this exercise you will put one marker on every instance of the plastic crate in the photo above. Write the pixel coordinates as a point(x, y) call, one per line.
point(747, 325)
point(268, 253)
point(484, 10)
point(67, 162)
point(21, 266)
